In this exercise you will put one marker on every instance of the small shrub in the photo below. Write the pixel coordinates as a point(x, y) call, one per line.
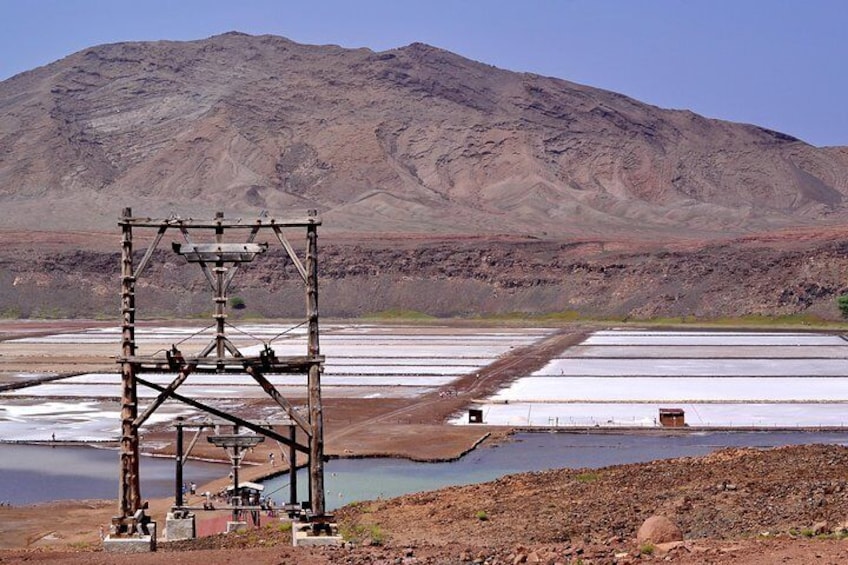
point(564, 316)
point(237, 303)
point(50, 313)
point(647, 548)
point(481, 515)
point(281, 527)
point(11, 313)
point(372, 533)
point(375, 533)
point(398, 314)
point(842, 302)
point(587, 477)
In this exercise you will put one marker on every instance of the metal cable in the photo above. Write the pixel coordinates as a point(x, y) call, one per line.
point(195, 334)
point(286, 331)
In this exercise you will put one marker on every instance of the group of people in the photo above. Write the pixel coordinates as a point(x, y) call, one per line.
point(266, 504)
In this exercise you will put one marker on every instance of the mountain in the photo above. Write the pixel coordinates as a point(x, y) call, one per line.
point(446, 186)
point(414, 140)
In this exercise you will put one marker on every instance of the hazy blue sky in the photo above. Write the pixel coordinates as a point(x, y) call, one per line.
point(777, 63)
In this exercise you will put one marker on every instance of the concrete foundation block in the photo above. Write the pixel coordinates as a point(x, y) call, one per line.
point(302, 536)
point(236, 526)
point(180, 528)
point(133, 543)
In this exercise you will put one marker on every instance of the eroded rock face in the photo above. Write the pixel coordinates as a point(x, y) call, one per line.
point(658, 529)
point(778, 276)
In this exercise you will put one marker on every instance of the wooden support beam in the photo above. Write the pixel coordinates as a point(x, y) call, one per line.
point(316, 417)
point(180, 461)
point(232, 348)
point(278, 365)
point(224, 416)
point(310, 220)
point(271, 391)
point(183, 375)
point(230, 252)
point(149, 253)
point(292, 467)
point(290, 251)
point(220, 297)
point(191, 444)
point(129, 489)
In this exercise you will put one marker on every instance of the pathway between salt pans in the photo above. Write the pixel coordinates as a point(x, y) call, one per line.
point(620, 378)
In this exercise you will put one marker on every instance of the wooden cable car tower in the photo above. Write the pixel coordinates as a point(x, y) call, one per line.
point(219, 261)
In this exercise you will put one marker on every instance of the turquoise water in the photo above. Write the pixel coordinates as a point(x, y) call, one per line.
point(351, 480)
point(30, 474)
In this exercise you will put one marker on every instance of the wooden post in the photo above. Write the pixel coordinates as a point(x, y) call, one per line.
point(220, 298)
point(129, 492)
point(178, 475)
point(292, 465)
point(316, 440)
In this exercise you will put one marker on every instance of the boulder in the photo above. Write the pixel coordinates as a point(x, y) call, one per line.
point(658, 529)
point(820, 528)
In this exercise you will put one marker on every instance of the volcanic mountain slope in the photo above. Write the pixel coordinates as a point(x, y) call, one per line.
point(411, 140)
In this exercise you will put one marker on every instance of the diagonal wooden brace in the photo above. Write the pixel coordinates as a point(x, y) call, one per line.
point(163, 396)
point(271, 391)
point(290, 251)
point(261, 430)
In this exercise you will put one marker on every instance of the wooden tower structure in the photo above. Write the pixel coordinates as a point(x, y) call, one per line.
point(219, 260)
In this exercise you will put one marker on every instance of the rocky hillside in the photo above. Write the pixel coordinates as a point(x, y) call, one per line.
point(457, 277)
point(411, 140)
point(731, 494)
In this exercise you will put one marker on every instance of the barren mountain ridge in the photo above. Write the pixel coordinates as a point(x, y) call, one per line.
point(445, 185)
point(411, 140)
